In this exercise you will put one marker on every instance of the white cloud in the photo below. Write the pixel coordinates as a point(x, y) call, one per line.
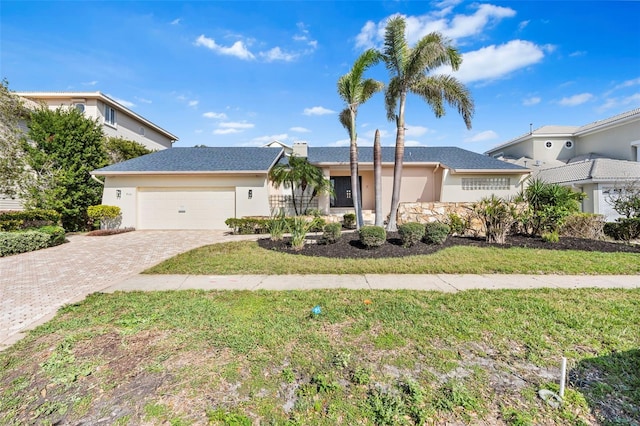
point(317, 110)
point(341, 142)
point(578, 53)
point(236, 125)
point(303, 36)
point(237, 49)
point(493, 62)
point(122, 102)
point(193, 103)
point(412, 143)
point(619, 102)
point(457, 27)
point(225, 131)
point(522, 25)
point(300, 130)
point(487, 135)
point(90, 83)
point(415, 131)
point(576, 99)
point(534, 100)
point(216, 115)
point(277, 54)
point(143, 100)
point(261, 140)
point(176, 21)
point(628, 83)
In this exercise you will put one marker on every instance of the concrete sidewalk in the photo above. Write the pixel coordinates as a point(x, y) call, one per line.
point(438, 282)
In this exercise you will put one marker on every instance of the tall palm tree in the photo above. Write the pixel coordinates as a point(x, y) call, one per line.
point(409, 70)
point(355, 91)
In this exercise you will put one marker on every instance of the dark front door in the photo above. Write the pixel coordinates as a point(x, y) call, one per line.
point(342, 187)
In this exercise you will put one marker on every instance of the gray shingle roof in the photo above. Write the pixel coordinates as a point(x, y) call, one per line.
point(599, 169)
point(231, 159)
point(452, 157)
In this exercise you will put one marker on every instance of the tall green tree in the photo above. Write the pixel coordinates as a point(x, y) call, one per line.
point(410, 71)
point(120, 149)
point(12, 113)
point(354, 91)
point(303, 178)
point(63, 146)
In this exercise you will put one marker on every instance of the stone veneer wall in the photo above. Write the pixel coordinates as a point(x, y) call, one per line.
point(437, 212)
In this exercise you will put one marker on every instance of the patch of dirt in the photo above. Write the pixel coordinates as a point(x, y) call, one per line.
point(350, 247)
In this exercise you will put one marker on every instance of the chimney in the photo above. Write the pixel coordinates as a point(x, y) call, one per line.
point(300, 149)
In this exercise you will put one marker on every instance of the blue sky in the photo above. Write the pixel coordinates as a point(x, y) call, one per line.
point(223, 73)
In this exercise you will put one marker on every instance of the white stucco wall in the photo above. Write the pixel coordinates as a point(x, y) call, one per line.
point(452, 191)
point(614, 142)
point(128, 186)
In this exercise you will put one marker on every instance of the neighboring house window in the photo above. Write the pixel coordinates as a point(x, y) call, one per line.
point(109, 115)
point(568, 144)
point(141, 131)
point(548, 144)
point(485, 184)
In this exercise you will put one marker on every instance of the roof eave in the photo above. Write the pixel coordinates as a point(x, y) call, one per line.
point(491, 171)
point(178, 172)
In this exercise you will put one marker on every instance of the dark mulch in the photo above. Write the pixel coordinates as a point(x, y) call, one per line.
point(349, 246)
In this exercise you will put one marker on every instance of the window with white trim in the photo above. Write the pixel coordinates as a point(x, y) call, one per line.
point(109, 115)
point(548, 144)
point(568, 144)
point(486, 184)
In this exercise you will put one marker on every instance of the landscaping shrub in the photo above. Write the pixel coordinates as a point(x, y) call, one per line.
point(349, 220)
point(623, 229)
point(277, 227)
point(497, 216)
point(458, 225)
point(23, 241)
point(15, 220)
point(583, 225)
point(106, 217)
point(549, 204)
point(411, 233)
point(56, 233)
point(550, 237)
point(332, 233)
point(299, 228)
point(436, 233)
point(372, 236)
point(248, 225)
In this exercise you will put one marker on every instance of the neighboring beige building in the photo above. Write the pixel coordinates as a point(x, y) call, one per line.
point(116, 120)
point(199, 188)
point(597, 158)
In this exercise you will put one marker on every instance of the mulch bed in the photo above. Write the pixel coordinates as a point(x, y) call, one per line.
point(349, 246)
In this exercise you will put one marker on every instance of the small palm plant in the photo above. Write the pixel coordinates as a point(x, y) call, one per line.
point(299, 229)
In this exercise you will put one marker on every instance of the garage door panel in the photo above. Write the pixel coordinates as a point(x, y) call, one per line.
point(185, 208)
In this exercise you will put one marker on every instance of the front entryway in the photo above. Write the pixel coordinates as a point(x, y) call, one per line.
point(343, 196)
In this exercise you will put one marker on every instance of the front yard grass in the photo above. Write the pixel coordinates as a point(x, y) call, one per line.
point(247, 257)
point(369, 357)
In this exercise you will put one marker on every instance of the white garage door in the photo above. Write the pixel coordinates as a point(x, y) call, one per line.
point(185, 208)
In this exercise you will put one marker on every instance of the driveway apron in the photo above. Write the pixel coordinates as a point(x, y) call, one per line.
point(33, 286)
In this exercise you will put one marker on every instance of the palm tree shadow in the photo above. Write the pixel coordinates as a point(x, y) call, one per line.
point(611, 386)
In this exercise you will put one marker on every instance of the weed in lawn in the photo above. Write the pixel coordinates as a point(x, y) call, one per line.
point(386, 407)
point(515, 417)
point(227, 418)
point(361, 376)
point(288, 375)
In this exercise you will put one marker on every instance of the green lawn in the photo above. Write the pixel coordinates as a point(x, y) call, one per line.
point(369, 357)
point(247, 257)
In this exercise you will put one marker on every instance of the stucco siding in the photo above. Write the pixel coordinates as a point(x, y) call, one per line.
point(613, 143)
point(129, 128)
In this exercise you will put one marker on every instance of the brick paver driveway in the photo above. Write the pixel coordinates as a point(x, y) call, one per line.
point(34, 285)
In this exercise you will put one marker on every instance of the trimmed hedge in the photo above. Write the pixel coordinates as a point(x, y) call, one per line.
point(30, 240)
point(372, 236)
point(332, 233)
point(583, 225)
point(12, 220)
point(108, 217)
point(624, 229)
point(261, 225)
point(436, 233)
point(411, 233)
point(349, 220)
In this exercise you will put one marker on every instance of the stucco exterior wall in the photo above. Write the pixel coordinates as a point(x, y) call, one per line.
point(453, 192)
point(257, 205)
point(558, 150)
point(523, 149)
point(613, 142)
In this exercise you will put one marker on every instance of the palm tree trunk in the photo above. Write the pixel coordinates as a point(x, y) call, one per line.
point(355, 184)
point(377, 177)
point(397, 167)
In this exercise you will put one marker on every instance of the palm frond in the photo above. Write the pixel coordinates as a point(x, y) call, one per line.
point(435, 90)
point(395, 45)
point(345, 119)
point(391, 96)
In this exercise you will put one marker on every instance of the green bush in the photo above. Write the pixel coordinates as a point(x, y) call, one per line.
point(624, 229)
point(372, 236)
point(57, 234)
point(299, 228)
point(277, 228)
point(436, 233)
point(15, 220)
point(411, 233)
point(497, 216)
point(107, 217)
point(332, 233)
point(550, 237)
point(248, 225)
point(458, 225)
point(25, 241)
point(349, 220)
point(583, 225)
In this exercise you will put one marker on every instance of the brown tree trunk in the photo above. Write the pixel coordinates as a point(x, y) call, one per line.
point(377, 177)
point(397, 167)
